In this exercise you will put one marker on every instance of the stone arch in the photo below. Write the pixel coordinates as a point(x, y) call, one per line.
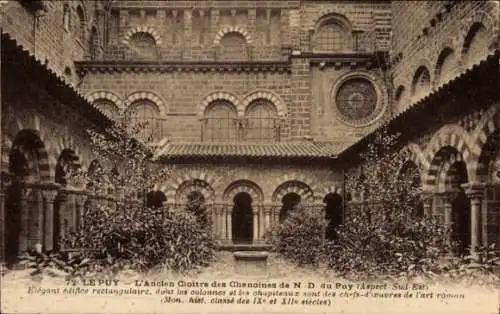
point(328, 25)
point(294, 186)
point(67, 161)
point(108, 96)
point(171, 190)
point(142, 29)
point(421, 76)
point(413, 152)
point(329, 14)
point(447, 54)
point(267, 95)
point(148, 96)
point(232, 29)
point(456, 137)
point(193, 185)
point(486, 20)
point(439, 166)
point(487, 139)
point(30, 148)
point(245, 186)
point(220, 96)
point(332, 190)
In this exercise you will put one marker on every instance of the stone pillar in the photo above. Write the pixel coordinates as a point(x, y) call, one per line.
point(6, 179)
point(276, 212)
point(448, 198)
point(267, 217)
point(427, 199)
point(475, 193)
point(49, 195)
point(229, 223)
point(23, 207)
point(262, 227)
point(81, 198)
point(256, 237)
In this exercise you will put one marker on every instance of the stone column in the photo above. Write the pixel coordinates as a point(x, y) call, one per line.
point(229, 223)
point(49, 195)
point(6, 179)
point(427, 199)
point(23, 207)
point(448, 198)
point(475, 193)
point(268, 209)
point(255, 237)
point(262, 224)
point(81, 198)
point(276, 212)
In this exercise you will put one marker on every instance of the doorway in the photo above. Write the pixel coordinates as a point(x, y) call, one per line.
point(242, 219)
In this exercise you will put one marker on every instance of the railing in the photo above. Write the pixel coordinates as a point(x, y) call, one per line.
point(240, 129)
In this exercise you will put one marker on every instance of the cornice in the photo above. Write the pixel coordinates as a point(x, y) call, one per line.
point(339, 60)
point(183, 4)
point(84, 67)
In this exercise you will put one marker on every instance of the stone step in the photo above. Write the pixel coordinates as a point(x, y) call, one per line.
point(251, 263)
point(245, 247)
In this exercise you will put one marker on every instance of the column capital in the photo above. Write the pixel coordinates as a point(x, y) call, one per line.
point(449, 195)
point(473, 190)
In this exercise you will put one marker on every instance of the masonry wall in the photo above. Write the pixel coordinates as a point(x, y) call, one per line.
point(188, 30)
point(438, 28)
point(267, 176)
point(43, 33)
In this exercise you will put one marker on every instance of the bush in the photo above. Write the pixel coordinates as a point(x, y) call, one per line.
point(144, 238)
point(300, 236)
point(401, 246)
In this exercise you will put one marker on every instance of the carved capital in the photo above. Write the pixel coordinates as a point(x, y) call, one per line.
point(474, 191)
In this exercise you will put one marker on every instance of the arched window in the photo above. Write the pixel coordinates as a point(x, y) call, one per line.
point(108, 108)
point(421, 82)
point(142, 115)
point(445, 66)
point(93, 43)
point(233, 47)
point(262, 121)
point(220, 122)
point(399, 95)
point(66, 17)
point(143, 46)
point(332, 35)
point(80, 24)
point(476, 44)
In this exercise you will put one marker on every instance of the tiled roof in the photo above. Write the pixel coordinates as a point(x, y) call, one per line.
point(482, 79)
point(282, 149)
point(15, 58)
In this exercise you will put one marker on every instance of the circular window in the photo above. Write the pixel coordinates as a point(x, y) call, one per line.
point(356, 100)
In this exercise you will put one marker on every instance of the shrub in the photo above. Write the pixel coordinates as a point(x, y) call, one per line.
point(300, 236)
point(144, 238)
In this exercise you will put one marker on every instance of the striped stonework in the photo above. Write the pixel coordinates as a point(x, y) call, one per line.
point(232, 29)
point(219, 96)
point(142, 29)
point(256, 95)
point(245, 186)
point(148, 96)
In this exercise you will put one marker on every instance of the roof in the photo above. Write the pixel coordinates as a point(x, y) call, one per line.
point(17, 60)
point(480, 82)
point(324, 150)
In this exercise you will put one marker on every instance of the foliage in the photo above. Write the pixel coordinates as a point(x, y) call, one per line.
point(300, 236)
point(144, 237)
